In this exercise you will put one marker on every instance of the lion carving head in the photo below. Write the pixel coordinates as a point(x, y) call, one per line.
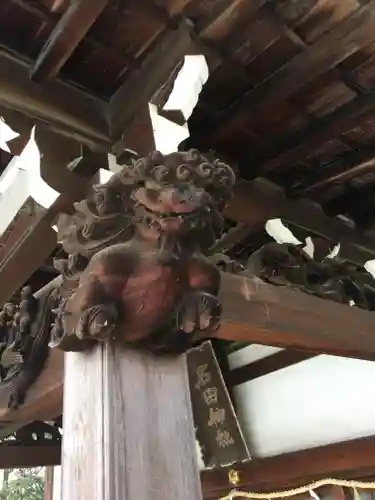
point(179, 195)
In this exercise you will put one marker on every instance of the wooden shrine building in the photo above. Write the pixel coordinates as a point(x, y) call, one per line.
point(251, 249)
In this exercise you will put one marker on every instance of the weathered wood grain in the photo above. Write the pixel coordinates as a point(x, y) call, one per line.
point(128, 428)
point(254, 311)
point(66, 36)
point(350, 459)
point(56, 103)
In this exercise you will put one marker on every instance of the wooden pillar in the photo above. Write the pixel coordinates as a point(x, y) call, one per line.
point(48, 483)
point(128, 428)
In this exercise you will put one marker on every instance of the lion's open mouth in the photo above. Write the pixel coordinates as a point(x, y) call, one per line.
point(173, 215)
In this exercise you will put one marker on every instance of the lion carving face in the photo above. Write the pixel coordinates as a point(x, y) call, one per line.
point(178, 193)
point(177, 196)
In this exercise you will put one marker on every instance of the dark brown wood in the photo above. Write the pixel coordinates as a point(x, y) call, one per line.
point(66, 36)
point(355, 164)
point(292, 148)
point(350, 459)
point(256, 312)
point(133, 97)
point(138, 437)
point(328, 51)
point(224, 17)
point(43, 401)
point(217, 428)
point(56, 103)
point(267, 365)
point(257, 201)
point(18, 456)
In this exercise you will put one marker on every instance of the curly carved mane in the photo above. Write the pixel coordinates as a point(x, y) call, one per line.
point(110, 214)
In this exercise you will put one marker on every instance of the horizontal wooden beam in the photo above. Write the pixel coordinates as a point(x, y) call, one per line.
point(267, 365)
point(256, 312)
point(18, 456)
point(58, 104)
point(347, 460)
point(257, 201)
point(65, 37)
point(252, 312)
point(43, 400)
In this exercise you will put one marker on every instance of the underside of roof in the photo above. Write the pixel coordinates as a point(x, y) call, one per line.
point(290, 97)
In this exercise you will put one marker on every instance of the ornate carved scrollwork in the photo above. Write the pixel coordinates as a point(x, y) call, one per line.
point(135, 269)
point(289, 265)
point(24, 335)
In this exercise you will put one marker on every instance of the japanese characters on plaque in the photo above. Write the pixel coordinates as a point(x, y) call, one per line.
point(217, 427)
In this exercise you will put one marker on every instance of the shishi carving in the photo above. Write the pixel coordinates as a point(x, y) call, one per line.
point(136, 270)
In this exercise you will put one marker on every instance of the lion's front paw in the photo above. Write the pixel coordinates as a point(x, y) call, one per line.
point(98, 322)
point(199, 311)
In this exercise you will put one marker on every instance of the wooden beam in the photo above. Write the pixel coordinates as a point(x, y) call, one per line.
point(48, 481)
point(347, 460)
point(267, 365)
point(292, 148)
point(252, 312)
point(21, 456)
point(224, 17)
point(66, 36)
point(256, 312)
point(257, 201)
point(58, 104)
point(139, 89)
point(329, 50)
point(43, 400)
point(354, 164)
point(139, 438)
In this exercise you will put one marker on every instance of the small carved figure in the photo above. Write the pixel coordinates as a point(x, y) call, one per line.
point(24, 334)
point(289, 265)
point(143, 235)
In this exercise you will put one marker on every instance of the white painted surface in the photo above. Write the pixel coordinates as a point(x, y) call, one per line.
point(188, 85)
point(319, 401)
point(20, 180)
point(56, 495)
point(184, 97)
point(280, 233)
point(249, 354)
point(6, 134)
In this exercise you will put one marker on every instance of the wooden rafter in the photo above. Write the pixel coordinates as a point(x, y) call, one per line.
point(292, 148)
point(319, 57)
point(66, 36)
point(350, 459)
point(60, 105)
point(344, 169)
point(138, 90)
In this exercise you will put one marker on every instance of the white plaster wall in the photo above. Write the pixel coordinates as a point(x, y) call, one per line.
point(56, 495)
point(251, 353)
point(323, 400)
